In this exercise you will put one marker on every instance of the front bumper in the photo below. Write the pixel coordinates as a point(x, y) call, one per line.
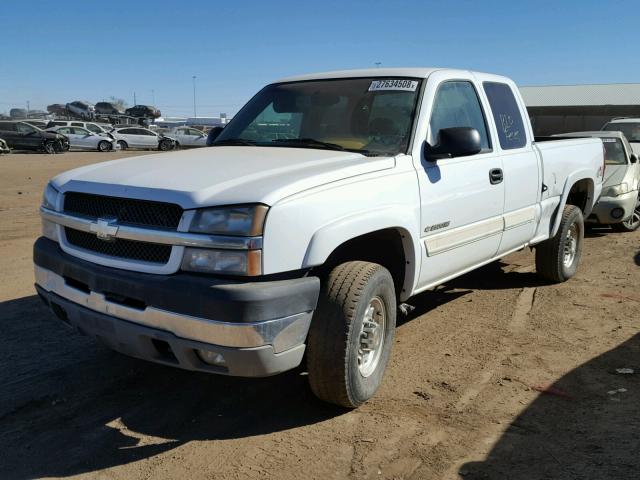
point(602, 211)
point(258, 328)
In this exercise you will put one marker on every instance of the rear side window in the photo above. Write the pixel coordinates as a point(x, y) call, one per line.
point(506, 114)
point(456, 104)
point(8, 126)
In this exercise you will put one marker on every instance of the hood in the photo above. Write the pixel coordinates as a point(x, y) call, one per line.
point(52, 134)
point(614, 174)
point(220, 175)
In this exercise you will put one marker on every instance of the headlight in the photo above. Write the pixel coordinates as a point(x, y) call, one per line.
point(226, 262)
point(50, 197)
point(615, 190)
point(245, 221)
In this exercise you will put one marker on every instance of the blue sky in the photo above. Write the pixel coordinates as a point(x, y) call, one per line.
point(70, 49)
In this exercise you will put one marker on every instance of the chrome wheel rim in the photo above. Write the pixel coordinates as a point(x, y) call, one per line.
point(371, 337)
point(633, 221)
point(571, 245)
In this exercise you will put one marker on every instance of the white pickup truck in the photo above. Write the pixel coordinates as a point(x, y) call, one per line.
point(327, 202)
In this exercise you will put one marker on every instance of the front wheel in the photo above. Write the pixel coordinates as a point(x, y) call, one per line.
point(49, 147)
point(632, 223)
point(165, 145)
point(351, 334)
point(104, 146)
point(557, 258)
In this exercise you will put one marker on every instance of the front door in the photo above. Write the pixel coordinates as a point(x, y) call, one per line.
point(462, 198)
point(29, 136)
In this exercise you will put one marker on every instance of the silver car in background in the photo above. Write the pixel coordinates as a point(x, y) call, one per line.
point(84, 110)
point(188, 137)
point(82, 139)
point(619, 203)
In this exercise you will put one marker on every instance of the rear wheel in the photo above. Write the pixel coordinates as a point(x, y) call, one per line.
point(632, 223)
point(352, 333)
point(557, 259)
point(123, 144)
point(104, 146)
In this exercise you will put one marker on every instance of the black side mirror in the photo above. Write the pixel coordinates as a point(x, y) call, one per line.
point(213, 134)
point(633, 158)
point(454, 142)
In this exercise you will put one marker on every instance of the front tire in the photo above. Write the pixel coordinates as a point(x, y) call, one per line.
point(165, 146)
point(351, 334)
point(104, 146)
point(557, 258)
point(49, 147)
point(632, 223)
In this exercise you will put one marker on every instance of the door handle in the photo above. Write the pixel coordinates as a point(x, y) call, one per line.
point(496, 176)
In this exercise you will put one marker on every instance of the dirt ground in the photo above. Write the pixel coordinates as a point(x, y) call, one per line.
point(496, 375)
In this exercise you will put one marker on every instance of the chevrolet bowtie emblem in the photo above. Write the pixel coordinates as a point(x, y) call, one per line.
point(105, 228)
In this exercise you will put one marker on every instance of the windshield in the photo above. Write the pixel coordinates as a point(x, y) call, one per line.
point(372, 116)
point(614, 151)
point(630, 130)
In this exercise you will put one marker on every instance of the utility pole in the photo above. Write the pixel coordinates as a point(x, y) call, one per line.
point(194, 96)
point(153, 97)
point(134, 99)
point(28, 109)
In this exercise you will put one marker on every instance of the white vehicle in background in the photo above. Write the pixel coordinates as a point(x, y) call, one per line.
point(99, 128)
point(82, 139)
point(188, 137)
point(85, 110)
point(142, 138)
point(619, 203)
point(327, 202)
point(631, 129)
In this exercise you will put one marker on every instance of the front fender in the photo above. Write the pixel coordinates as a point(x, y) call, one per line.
point(329, 237)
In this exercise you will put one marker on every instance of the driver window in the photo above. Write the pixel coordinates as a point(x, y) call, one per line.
point(25, 128)
point(456, 104)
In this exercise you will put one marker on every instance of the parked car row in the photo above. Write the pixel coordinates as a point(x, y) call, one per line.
point(88, 111)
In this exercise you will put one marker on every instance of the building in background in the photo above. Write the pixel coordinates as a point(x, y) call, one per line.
point(573, 108)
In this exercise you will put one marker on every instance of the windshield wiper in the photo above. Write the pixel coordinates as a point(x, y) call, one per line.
point(309, 142)
point(234, 141)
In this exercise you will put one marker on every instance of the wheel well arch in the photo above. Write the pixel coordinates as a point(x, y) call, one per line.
point(390, 247)
point(580, 195)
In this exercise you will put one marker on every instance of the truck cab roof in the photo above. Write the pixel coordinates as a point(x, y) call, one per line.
point(415, 72)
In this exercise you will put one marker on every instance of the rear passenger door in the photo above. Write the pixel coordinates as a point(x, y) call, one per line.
point(9, 133)
point(522, 182)
point(461, 206)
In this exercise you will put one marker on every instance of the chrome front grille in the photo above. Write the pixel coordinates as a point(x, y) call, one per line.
point(119, 248)
point(128, 211)
point(142, 214)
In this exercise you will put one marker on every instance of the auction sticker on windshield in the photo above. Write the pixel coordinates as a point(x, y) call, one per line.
point(400, 84)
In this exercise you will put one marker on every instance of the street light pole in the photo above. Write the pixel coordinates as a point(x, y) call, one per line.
point(194, 96)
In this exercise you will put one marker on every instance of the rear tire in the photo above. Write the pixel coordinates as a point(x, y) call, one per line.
point(104, 146)
point(351, 334)
point(557, 259)
point(123, 144)
point(632, 223)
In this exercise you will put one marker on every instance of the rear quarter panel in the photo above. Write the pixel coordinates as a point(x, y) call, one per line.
point(566, 162)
